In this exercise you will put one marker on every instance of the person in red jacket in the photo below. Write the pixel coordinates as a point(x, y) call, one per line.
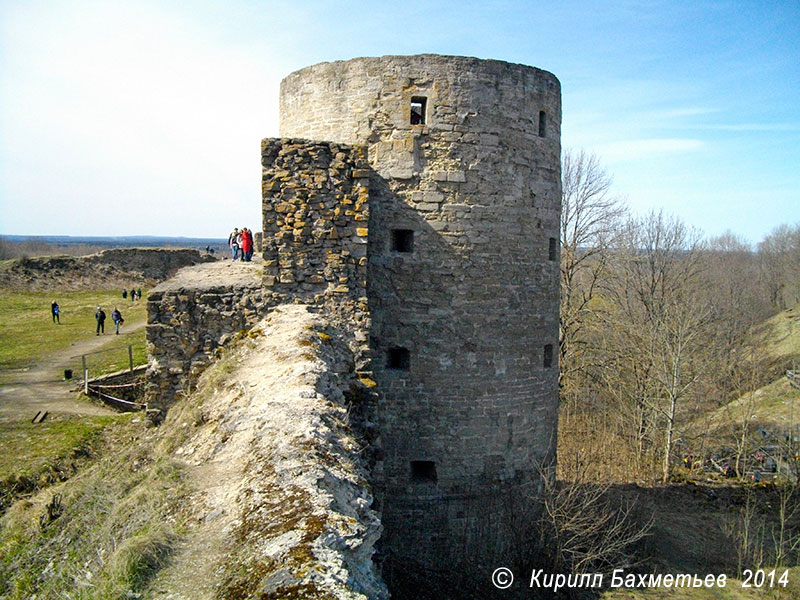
point(247, 244)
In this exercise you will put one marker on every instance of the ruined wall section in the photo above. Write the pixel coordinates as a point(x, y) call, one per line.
point(463, 282)
point(315, 229)
point(185, 327)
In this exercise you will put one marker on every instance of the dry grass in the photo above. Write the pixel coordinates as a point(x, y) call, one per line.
point(780, 335)
point(777, 403)
point(33, 457)
point(115, 527)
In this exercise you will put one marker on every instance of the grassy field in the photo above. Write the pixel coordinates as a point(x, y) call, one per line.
point(775, 404)
point(33, 456)
point(28, 334)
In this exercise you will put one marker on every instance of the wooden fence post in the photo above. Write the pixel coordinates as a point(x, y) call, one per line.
point(85, 375)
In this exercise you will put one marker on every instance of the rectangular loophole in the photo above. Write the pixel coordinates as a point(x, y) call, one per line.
point(418, 107)
point(402, 240)
point(548, 356)
point(551, 250)
point(398, 358)
point(542, 123)
point(423, 471)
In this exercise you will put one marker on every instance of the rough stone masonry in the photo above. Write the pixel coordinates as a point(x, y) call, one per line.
point(417, 198)
point(461, 284)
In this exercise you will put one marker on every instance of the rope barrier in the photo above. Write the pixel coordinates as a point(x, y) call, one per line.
point(122, 385)
point(120, 401)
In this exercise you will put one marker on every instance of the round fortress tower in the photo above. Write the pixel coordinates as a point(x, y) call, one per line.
point(463, 285)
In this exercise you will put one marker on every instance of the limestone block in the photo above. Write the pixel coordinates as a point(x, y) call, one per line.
point(457, 176)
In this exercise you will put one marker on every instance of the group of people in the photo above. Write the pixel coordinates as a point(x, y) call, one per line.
point(135, 294)
point(100, 317)
point(241, 244)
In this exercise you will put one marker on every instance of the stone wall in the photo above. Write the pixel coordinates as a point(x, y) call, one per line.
point(186, 323)
point(462, 283)
point(315, 227)
point(428, 223)
point(314, 248)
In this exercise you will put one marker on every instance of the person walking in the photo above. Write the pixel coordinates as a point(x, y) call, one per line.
point(54, 308)
point(116, 316)
point(233, 242)
point(100, 316)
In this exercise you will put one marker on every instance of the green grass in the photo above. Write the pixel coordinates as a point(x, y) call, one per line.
point(777, 403)
point(116, 358)
point(28, 334)
point(27, 449)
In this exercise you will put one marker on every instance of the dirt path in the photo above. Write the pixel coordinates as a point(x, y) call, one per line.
point(42, 386)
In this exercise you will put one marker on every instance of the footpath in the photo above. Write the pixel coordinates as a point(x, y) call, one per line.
point(42, 387)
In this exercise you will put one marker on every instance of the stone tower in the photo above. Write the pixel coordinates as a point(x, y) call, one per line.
point(462, 284)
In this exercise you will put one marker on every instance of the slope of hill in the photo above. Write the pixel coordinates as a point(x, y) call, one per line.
point(762, 421)
point(779, 336)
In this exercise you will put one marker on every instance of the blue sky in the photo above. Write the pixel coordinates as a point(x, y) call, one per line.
point(126, 118)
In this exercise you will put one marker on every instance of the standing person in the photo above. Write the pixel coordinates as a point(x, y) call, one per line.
point(56, 312)
point(233, 242)
point(247, 244)
point(116, 316)
point(133, 294)
point(101, 320)
point(139, 293)
point(124, 293)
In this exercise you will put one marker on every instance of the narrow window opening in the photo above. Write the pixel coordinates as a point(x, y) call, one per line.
point(542, 123)
point(548, 356)
point(551, 252)
point(399, 359)
point(418, 104)
point(402, 240)
point(423, 471)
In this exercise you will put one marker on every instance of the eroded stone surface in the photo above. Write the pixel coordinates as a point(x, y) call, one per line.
point(472, 301)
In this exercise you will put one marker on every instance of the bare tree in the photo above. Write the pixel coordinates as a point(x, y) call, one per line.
point(779, 254)
point(661, 316)
point(584, 528)
point(590, 227)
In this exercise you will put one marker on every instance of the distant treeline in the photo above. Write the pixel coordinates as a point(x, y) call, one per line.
point(15, 246)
